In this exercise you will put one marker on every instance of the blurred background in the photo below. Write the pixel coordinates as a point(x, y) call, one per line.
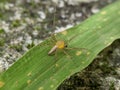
point(26, 23)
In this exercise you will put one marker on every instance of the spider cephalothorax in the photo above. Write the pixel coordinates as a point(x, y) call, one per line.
point(58, 45)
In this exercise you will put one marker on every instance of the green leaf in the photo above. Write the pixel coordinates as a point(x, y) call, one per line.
point(38, 71)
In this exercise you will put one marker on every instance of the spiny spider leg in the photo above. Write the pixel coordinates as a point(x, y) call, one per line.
point(53, 37)
point(56, 55)
point(67, 54)
point(76, 48)
point(72, 37)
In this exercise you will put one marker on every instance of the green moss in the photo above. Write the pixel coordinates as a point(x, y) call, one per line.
point(31, 45)
point(17, 47)
point(2, 42)
point(1, 30)
point(112, 86)
point(16, 23)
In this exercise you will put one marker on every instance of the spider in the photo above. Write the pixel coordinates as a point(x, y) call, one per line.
point(62, 45)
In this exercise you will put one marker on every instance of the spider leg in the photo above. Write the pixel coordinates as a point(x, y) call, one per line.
point(83, 50)
point(52, 40)
point(76, 48)
point(73, 37)
point(69, 57)
point(67, 54)
point(53, 37)
point(56, 55)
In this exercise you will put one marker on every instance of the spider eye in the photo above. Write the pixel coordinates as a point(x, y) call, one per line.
point(66, 46)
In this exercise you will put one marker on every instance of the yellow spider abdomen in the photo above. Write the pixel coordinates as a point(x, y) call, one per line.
point(60, 44)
